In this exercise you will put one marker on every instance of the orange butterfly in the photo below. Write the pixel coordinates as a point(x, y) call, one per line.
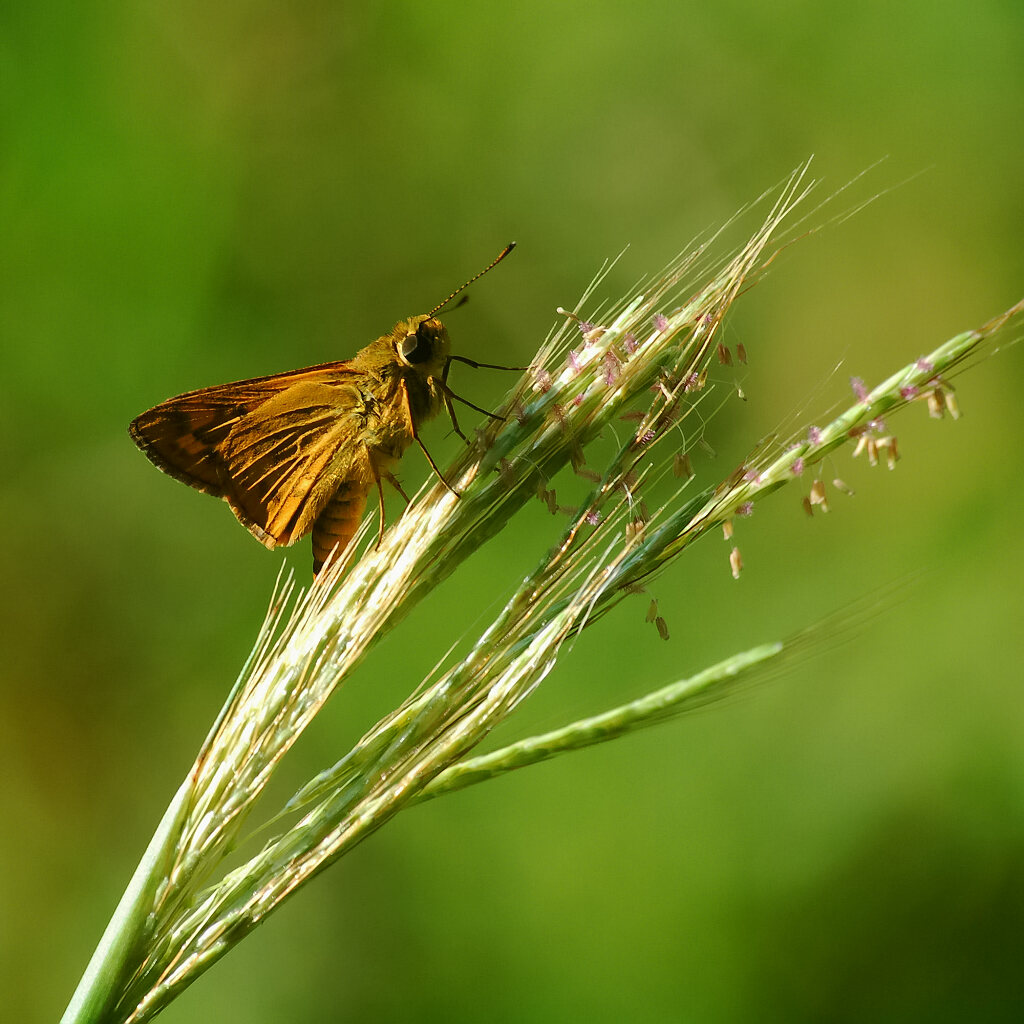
point(296, 452)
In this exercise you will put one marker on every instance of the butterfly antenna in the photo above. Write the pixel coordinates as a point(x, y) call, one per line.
point(490, 266)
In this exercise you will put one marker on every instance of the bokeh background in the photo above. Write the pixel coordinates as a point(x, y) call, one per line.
point(192, 193)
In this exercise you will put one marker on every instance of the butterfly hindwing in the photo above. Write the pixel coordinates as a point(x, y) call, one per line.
point(281, 464)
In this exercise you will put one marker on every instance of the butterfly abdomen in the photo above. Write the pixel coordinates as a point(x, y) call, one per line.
point(338, 522)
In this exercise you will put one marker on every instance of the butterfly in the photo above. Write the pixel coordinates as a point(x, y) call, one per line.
point(296, 453)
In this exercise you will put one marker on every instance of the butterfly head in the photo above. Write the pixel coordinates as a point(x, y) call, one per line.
point(423, 345)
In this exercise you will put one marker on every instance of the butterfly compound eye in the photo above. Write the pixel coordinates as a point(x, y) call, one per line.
point(418, 347)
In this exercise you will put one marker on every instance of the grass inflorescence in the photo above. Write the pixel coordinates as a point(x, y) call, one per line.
point(643, 362)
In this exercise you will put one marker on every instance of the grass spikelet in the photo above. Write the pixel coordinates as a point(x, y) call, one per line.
point(646, 358)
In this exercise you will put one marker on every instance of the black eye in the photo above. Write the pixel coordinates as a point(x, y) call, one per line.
point(418, 347)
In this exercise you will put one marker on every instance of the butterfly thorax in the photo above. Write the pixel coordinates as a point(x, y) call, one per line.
point(399, 379)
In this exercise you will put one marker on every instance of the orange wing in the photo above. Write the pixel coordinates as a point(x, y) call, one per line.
point(182, 436)
point(275, 448)
point(282, 463)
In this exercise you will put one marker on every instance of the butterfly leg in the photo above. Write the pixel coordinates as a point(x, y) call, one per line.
point(416, 438)
point(449, 395)
point(451, 413)
point(380, 507)
point(446, 395)
point(393, 480)
point(480, 366)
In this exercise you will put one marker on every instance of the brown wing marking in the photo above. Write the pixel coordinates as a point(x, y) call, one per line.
point(338, 522)
point(282, 463)
point(182, 435)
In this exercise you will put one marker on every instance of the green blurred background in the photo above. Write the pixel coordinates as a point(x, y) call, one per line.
point(193, 193)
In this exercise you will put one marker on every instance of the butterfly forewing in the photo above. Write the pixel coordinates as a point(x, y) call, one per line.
point(181, 436)
point(209, 440)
